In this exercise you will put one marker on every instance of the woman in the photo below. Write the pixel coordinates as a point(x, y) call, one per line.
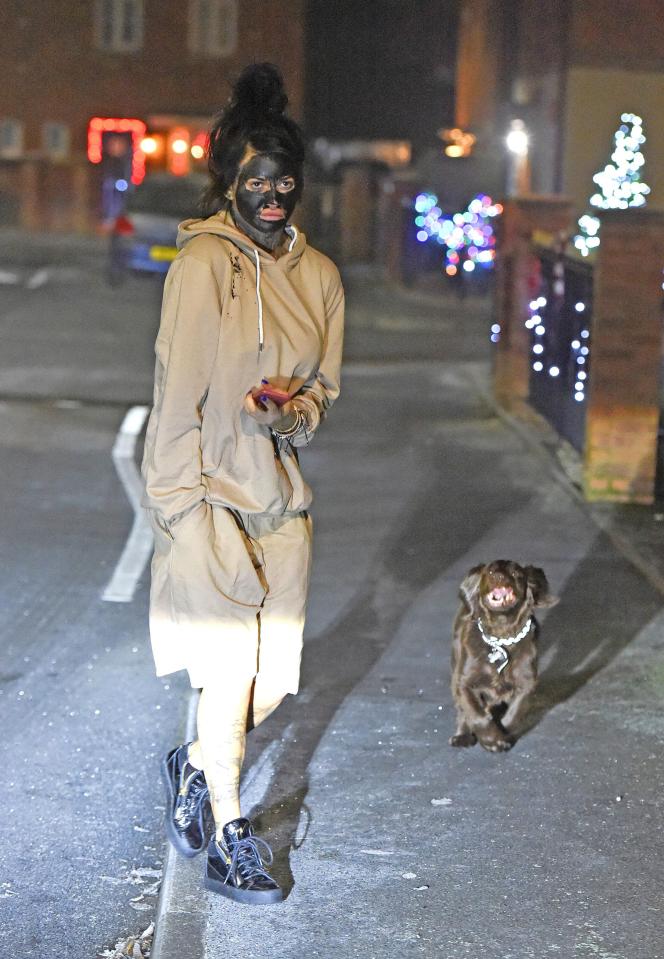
point(248, 359)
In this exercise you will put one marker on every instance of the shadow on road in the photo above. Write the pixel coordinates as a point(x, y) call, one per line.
point(438, 528)
point(604, 606)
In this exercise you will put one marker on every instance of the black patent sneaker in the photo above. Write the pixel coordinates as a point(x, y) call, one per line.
point(188, 812)
point(235, 866)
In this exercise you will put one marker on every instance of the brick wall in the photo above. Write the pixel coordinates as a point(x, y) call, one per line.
point(624, 390)
point(53, 72)
point(57, 74)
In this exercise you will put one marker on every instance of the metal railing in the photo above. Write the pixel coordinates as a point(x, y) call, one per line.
point(560, 331)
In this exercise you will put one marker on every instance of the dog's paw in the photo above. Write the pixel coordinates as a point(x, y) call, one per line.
point(463, 740)
point(497, 744)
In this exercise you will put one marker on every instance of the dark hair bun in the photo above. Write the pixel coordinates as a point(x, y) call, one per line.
point(254, 116)
point(258, 94)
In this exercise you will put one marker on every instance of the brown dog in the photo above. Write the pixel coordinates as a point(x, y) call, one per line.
point(494, 651)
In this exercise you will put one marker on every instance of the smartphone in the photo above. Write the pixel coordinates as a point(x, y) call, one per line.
point(267, 392)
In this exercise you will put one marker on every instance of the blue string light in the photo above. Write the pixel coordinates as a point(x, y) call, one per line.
point(468, 237)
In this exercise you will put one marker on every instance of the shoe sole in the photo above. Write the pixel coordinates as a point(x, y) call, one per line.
point(249, 896)
point(173, 835)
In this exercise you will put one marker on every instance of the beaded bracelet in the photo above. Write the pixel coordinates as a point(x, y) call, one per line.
point(300, 421)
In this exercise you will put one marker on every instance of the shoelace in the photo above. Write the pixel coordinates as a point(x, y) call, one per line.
point(250, 865)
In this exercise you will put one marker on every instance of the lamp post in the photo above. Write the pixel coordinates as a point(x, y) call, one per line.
point(518, 168)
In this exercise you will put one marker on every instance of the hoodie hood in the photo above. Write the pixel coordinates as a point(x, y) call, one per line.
point(221, 224)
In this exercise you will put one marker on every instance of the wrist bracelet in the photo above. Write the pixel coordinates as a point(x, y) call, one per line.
point(295, 428)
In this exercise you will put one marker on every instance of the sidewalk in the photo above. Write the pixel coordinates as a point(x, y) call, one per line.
point(391, 843)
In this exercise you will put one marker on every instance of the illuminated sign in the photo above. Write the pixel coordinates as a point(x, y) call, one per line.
point(98, 126)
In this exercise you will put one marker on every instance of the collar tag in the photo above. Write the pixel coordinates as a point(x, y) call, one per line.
point(498, 652)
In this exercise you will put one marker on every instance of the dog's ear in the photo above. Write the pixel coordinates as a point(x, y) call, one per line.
point(470, 587)
point(538, 588)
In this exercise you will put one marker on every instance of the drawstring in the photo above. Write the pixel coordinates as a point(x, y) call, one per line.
point(259, 301)
point(293, 233)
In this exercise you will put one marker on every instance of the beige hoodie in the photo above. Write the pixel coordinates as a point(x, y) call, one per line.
point(231, 316)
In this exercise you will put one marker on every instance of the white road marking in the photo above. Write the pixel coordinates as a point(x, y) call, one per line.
point(8, 278)
point(138, 547)
point(38, 278)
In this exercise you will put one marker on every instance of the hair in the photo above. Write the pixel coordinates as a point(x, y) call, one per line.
point(254, 115)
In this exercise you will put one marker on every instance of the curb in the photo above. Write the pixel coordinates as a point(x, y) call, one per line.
point(181, 916)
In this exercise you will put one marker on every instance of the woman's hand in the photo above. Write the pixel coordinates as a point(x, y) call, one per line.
point(267, 413)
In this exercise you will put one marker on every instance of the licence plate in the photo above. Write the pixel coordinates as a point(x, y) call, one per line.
point(163, 252)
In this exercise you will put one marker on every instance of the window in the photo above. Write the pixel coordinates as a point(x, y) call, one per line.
point(55, 140)
point(119, 25)
point(11, 139)
point(213, 27)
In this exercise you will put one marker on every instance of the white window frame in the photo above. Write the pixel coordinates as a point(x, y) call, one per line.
point(12, 134)
point(56, 140)
point(110, 25)
point(213, 27)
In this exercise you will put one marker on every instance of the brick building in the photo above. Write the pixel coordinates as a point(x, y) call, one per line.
point(568, 69)
point(578, 339)
point(164, 65)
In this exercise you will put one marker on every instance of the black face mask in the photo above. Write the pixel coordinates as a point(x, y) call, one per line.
point(268, 188)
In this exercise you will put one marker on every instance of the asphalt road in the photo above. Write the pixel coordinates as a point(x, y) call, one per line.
point(85, 720)
point(389, 843)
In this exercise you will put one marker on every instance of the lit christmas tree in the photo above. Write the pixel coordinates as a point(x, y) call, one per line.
point(619, 182)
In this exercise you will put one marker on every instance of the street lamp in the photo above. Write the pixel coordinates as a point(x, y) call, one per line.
point(518, 171)
point(517, 138)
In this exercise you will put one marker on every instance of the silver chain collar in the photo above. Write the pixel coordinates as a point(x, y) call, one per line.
point(498, 652)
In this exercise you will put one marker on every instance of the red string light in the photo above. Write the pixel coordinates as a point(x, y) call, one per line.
point(100, 125)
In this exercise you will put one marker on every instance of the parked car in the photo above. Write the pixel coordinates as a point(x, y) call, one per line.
point(143, 237)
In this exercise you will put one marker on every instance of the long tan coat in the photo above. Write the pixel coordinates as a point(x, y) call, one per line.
point(231, 316)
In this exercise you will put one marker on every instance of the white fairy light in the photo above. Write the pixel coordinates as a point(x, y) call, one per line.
point(620, 185)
